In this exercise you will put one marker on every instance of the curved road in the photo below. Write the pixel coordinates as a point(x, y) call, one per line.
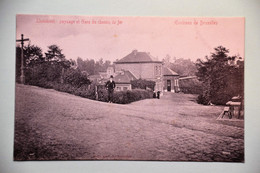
point(51, 125)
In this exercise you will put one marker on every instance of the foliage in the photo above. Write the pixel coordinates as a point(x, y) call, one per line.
point(91, 67)
point(142, 84)
point(88, 91)
point(54, 54)
point(221, 78)
point(190, 86)
point(32, 54)
point(85, 91)
point(41, 70)
point(75, 78)
point(56, 72)
point(125, 97)
point(184, 67)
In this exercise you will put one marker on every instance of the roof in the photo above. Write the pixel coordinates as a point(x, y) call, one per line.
point(124, 77)
point(137, 57)
point(103, 74)
point(95, 76)
point(188, 77)
point(168, 72)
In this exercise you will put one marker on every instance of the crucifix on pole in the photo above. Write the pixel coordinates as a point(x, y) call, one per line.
point(22, 77)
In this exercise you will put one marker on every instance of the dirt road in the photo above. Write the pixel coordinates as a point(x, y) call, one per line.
point(53, 125)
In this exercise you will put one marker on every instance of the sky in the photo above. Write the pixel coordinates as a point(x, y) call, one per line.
point(111, 37)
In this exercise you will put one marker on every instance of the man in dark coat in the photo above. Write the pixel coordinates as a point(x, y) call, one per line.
point(110, 86)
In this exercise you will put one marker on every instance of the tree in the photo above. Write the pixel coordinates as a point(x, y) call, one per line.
point(184, 67)
point(48, 69)
point(167, 60)
point(221, 80)
point(75, 78)
point(81, 64)
point(91, 66)
point(32, 54)
point(54, 53)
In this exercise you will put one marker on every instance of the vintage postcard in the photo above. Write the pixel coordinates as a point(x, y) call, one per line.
point(129, 88)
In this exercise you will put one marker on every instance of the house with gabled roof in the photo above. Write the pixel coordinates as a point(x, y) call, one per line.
point(143, 66)
point(123, 80)
point(170, 80)
point(139, 65)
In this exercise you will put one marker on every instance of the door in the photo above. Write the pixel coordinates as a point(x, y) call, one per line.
point(169, 85)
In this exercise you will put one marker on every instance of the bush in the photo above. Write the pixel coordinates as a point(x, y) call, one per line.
point(77, 84)
point(125, 97)
point(222, 97)
point(102, 95)
point(202, 100)
point(218, 98)
point(190, 86)
point(83, 91)
point(120, 97)
point(65, 88)
point(75, 78)
point(86, 92)
point(43, 74)
point(41, 83)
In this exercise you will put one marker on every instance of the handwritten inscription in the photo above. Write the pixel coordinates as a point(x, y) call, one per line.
point(80, 21)
point(187, 22)
point(38, 20)
point(196, 22)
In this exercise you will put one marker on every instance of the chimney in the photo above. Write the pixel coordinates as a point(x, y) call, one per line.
point(122, 72)
point(135, 52)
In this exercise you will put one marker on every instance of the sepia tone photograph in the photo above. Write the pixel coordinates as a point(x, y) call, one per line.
point(129, 88)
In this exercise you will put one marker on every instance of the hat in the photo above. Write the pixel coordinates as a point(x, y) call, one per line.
point(111, 76)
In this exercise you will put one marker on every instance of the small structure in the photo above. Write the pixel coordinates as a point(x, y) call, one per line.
point(123, 80)
point(170, 80)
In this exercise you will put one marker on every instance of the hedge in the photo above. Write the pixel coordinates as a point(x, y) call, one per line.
point(125, 97)
point(88, 91)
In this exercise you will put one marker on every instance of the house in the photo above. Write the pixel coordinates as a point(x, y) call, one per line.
point(170, 80)
point(123, 80)
point(139, 65)
point(142, 65)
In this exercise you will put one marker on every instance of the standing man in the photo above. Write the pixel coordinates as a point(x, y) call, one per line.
point(110, 86)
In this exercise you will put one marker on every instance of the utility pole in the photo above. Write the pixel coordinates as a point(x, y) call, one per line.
point(22, 77)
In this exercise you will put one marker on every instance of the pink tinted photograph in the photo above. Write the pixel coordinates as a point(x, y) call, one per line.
point(129, 88)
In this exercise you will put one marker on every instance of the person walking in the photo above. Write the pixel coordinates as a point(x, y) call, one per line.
point(110, 86)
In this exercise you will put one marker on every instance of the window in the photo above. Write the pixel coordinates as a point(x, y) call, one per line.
point(159, 70)
point(124, 88)
point(156, 70)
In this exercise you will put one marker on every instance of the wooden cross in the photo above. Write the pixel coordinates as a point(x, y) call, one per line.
point(22, 77)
